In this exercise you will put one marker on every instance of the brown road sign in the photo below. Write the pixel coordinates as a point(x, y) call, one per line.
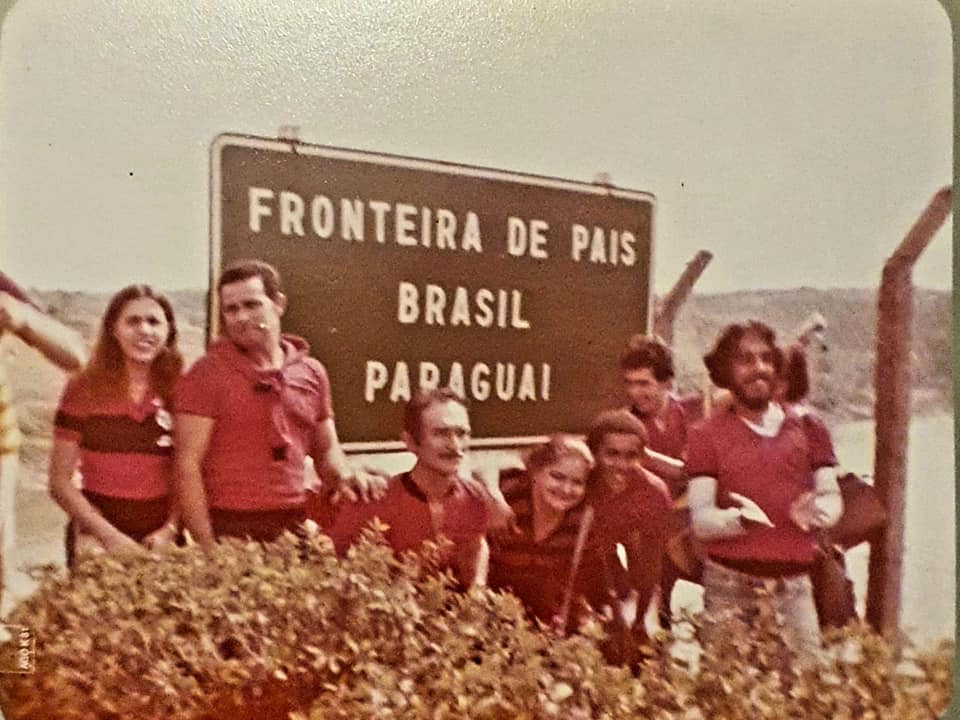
point(518, 290)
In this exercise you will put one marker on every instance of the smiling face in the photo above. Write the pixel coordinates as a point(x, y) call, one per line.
point(646, 393)
point(753, 372)
point(251, 319)
point(618, 459)
point(442, 439)
point(562, 484)
point(141, 330)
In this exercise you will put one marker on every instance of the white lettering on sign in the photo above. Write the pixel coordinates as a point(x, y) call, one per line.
point(503, 381)
point(465, 307)
point(257, 201)
point(357, 220)
point(523, 238)
point(609, 247)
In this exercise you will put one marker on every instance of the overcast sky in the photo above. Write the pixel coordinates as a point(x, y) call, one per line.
point(796, 140)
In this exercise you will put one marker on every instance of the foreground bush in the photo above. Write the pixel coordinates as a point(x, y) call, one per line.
point(286, 630)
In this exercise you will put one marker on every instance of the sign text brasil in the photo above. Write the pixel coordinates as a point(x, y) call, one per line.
point(518, 291)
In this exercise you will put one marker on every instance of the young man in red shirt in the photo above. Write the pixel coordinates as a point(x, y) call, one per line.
point(631, 505)
point(247, 415)
point(647, 369)
point(763, 479)
point(435, 500)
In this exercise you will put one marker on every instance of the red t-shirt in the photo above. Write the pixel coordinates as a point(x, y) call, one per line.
point(771, 471)
point(462, 516)
point(638, 518)
point(666, 434)
point(264, 423)
point(125, 447)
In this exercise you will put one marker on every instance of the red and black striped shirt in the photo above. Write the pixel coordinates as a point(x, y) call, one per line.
point(125, 447)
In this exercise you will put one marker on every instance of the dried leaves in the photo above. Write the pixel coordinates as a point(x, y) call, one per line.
point(265, 631)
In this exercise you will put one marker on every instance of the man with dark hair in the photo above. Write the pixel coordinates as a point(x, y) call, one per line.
point(632, 505)
point(436, 499)
point(247, 415)
point(647, 368)
point(763, 479)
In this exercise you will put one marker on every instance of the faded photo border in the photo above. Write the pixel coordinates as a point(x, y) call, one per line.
point(953, 9)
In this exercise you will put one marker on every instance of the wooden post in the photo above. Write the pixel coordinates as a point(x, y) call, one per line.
point(668, 306)
point(892, 413)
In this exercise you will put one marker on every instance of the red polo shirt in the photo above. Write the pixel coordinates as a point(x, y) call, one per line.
point(125, 447)
point(771, 471)
point(264, 423)
point(461, 516)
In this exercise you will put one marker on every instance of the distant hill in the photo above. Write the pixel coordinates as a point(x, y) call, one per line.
point(843, 384)
point(843, 371)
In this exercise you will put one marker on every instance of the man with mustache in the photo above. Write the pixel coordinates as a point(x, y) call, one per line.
point(247, 415)
point(437, 499)
point(763, 479)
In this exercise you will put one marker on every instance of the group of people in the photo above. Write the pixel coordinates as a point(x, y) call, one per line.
point(220, 451)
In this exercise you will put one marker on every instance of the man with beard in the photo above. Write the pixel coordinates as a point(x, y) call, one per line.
point(763, 479)
point(247, 415)
point(437, 500)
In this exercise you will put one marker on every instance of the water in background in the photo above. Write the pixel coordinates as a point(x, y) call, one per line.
point(929, 587)
point(929, 583)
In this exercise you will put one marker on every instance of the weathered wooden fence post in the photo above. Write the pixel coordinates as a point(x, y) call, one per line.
point(667, 307)
point(892, 412)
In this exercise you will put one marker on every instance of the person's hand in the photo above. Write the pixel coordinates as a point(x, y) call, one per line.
point(628, 608)
point(804, 512)
point(750, 511)
point(120, 544)
point(363, 484)
point(503, 523)
point(12, 313)
point(161, 537)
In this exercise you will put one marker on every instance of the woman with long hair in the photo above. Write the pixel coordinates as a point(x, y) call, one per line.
point(113, 423)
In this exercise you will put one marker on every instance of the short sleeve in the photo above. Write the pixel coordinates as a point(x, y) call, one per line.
point(324, 401)
point(71, 411)
point(701, 452)
point(820, 445)
point(196, 391)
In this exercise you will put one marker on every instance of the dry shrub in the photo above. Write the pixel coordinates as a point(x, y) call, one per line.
point(285, 630)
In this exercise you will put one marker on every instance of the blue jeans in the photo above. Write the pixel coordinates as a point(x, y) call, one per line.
point(731, 601)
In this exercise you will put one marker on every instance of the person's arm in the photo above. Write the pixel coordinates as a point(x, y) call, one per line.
point(710, 522)
point(63, 462)
point(191, 440)
point(471, 561)
point(55, 341)
point(823, 506)
point(669, 468)
point(168, 532)
point(335, 470)
point(645, 562)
